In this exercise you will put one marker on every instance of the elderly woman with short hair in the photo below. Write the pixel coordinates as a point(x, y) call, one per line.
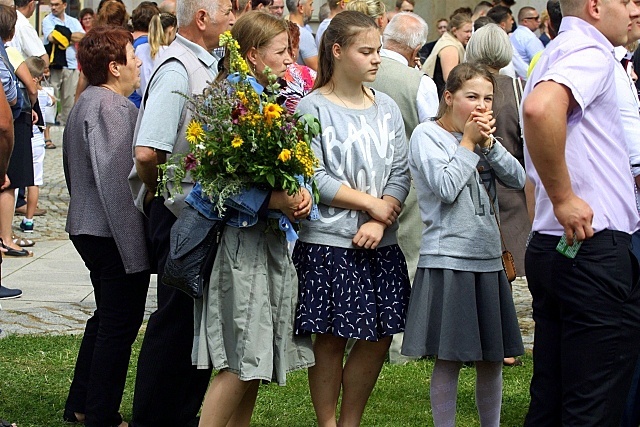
point(103, 224)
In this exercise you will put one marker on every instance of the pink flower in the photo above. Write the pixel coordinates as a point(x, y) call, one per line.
point(240, 110)
point(190, 162)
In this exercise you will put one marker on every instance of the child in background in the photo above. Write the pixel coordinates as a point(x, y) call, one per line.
point(49, 111)
point(36, 66)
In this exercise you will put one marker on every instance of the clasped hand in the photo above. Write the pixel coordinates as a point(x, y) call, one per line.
point(480, 127)
point(296, 206)
point(383, 212)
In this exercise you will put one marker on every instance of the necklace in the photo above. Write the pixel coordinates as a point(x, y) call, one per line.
point(345, 104)
point(439, 122)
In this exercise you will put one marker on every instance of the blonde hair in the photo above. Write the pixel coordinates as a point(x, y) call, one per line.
point(254, 29)
point(371, 8)
point(458, 20)
point(157, 27)
point(544, 21)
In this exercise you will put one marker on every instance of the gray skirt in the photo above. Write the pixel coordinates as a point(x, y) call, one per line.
point(461, 316)
point(244, 322)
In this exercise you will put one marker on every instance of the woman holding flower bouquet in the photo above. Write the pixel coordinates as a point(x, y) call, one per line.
point(353, 280)
point(244, 322)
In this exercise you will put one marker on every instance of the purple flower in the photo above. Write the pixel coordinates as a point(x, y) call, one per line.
point(190, 162)
point(240, 110)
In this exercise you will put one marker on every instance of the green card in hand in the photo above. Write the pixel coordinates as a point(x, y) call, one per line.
point(565, 249)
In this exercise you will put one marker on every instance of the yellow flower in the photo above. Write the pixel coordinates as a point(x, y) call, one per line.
point(285, 155)
point(195, 132)
point(225, 38)
point(240, 65)
point(237, 141)
point(305, 156)
point(237, 62)
point(272, 112)
point(243, 98)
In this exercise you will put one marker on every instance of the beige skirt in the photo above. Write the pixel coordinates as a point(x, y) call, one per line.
point(244, 321)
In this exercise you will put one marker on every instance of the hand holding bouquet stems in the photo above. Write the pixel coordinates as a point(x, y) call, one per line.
point(241, 137)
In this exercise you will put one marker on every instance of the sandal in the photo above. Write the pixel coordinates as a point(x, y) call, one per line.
point(23, 243)
point(10, 252)
point(49, 145)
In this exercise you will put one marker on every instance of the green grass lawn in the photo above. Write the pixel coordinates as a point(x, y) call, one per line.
point(35, 373)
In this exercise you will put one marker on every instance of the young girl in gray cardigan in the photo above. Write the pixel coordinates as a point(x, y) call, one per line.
point(461, 308)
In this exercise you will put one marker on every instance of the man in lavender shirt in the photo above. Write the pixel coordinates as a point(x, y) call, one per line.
point(586, 309)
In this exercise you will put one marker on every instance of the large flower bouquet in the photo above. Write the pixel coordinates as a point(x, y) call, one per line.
point(240, 136)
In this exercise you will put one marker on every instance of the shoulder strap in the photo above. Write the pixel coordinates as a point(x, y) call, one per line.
point(493, 207)
point(517, 90)
point(143, 101)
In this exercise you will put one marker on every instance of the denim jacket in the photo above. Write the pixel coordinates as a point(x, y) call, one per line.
point(247, 203)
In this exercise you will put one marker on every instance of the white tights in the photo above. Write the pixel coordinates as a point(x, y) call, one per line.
point(444, 391)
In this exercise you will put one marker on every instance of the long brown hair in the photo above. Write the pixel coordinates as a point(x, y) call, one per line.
point(343, 30)
point(460, 74)
point(112, 13)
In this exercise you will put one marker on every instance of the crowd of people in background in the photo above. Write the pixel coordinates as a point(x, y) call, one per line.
point(507, 132)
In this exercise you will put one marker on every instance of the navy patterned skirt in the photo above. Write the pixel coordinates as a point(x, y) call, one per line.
point(351, 293)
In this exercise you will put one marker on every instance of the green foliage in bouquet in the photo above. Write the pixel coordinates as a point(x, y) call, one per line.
point(240, 136)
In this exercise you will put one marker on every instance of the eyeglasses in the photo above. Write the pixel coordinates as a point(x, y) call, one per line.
point(535, 18)
point(276, 7)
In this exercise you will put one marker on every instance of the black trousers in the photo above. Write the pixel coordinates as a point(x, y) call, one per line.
point(169, 389)
point(103, 360)
point(587, 330)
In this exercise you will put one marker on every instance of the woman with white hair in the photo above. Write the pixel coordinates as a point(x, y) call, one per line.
point(490, 46)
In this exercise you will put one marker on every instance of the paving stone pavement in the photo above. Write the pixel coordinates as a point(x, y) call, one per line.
point(57, 294)
point(58, 297)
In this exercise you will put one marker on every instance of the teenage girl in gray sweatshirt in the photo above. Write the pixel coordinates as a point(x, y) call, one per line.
point(461, 308)
point(353, 280)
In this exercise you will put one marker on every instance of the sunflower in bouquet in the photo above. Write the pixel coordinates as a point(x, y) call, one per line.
point(240, 136)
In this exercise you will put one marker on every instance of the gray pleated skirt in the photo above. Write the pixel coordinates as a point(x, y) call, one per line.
point(244, 322)
point(461, 316)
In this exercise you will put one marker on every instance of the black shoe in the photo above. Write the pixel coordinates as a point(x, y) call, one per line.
point(6, 293)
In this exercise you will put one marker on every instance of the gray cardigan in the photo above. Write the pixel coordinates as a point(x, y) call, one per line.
point(461, 232)
point(97, 160)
